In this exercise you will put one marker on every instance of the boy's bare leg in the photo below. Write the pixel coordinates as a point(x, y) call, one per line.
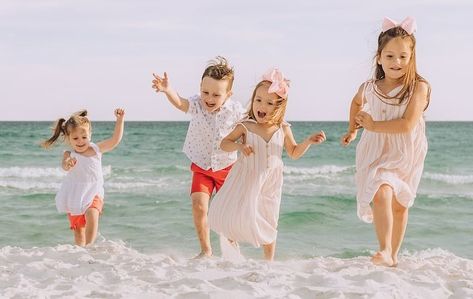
point(383, 223)
point(200, 208)
point(79, 236)
point(400, 216)
point(91, 225)
point(269, 250)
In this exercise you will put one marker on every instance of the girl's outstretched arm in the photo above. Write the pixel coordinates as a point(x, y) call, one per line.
point(294, 150)
point(407, 122)
point(162, 84)
point(109, 144)
point(355, 108)
point(229, 143)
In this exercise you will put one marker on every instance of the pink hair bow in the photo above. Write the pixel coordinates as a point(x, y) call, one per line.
point(409, 24)
point(279, 84)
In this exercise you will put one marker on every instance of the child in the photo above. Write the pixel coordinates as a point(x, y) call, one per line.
point(81, 194)
point(391, 152)
point(213, 116)
point(247, 207)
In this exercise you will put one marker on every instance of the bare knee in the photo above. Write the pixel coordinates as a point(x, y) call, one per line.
point(383, 195)
point(200, 202)
point(398, 209)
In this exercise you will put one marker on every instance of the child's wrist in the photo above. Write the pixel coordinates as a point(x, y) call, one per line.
point(352, 130)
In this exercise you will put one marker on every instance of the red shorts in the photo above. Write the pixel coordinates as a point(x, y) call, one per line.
point(78, 221)
point(206, 180)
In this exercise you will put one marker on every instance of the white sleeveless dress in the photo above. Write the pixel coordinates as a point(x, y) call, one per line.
point(382, 158)
point(81, 184)
point(246, 208)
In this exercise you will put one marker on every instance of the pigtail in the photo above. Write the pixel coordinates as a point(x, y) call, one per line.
point(59, 129)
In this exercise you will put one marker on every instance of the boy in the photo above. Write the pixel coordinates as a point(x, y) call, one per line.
point(213, 117)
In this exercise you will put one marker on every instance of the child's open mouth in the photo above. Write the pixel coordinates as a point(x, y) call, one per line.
point(261, 114)
point(209, 105)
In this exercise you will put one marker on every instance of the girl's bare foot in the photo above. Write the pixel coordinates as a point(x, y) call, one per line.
point(382, 258)
point(202, 255)
point(394, 261)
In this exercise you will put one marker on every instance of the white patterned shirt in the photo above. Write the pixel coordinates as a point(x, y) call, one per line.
point(206, 131)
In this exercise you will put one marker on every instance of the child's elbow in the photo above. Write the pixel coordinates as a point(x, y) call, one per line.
point(293, 156)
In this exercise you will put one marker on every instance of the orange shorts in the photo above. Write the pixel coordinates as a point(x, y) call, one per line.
point(206, 180)
point(78, 221)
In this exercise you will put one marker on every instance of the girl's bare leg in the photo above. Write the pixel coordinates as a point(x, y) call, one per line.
point(79, 236)
point(383, 223)
point(400, 216)
point(269, 250)
point(91, 225)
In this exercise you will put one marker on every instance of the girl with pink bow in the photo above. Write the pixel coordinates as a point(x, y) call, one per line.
point(246, 209)
point(391, 152)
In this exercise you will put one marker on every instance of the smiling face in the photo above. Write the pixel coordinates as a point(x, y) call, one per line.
point(264, 104)
point(79, 138)
point(214, 93)
point(395, 57)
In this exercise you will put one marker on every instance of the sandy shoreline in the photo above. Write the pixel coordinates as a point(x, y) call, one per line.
point(112, 270)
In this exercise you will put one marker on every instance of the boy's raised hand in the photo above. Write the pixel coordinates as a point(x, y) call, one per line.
point(317, 138)
point(160, 83)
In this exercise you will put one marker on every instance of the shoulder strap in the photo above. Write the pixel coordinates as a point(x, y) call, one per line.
point(96, 148)
point(363, 92)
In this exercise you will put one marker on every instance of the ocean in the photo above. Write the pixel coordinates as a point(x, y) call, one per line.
point(146, 233)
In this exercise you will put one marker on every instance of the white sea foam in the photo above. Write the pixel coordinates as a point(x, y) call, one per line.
point(112, 270)
point(110, 186)
point(449, 178)
point(321, 170)
point(39, 172)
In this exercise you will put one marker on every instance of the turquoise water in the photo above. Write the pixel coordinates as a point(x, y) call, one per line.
point(147, 185)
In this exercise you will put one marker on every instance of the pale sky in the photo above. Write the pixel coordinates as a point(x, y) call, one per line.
point(60, 56)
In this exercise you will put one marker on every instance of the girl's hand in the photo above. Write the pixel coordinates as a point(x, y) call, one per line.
point(69, 163)
point(364, 120)
point(246, 149)
point(119, 113)
point(317, 138)
point(348, 138)
point(161, 83)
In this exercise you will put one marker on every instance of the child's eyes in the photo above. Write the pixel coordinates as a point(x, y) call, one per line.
point(270, 103)
point(205, 92)
point(258, 100)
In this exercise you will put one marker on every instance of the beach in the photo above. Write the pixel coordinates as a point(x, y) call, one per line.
point(113, 270)
point(147, 238)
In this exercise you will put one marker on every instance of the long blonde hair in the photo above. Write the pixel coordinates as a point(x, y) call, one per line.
point(63, 128)
point(411, 77)
point(277, 116)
